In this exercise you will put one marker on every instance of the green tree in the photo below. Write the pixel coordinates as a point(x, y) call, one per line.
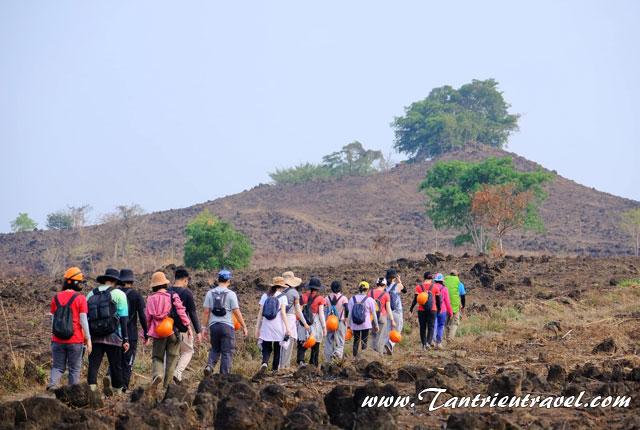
point(450, 118)
point(301, 174)
point(59, 220)
point(630, 223)
point(23, 223)
point(352, 160)
point(212, 244)
point(451, 185)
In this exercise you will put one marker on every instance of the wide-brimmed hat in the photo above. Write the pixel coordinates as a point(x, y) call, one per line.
point(278, 281)
point(291, 280)
point(158, 279)
point(391, 273)
point(315, 284)
point(109, 275)
point(126, 275)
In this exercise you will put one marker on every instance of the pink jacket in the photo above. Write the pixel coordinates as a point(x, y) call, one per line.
point(159, 306)
point(446, 302)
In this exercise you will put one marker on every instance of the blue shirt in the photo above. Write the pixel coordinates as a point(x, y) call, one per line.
point(461, 289)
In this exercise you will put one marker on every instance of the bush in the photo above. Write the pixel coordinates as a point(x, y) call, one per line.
point(212, 244)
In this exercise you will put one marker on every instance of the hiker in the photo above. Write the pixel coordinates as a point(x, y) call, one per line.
point(457, 297)
point(294, 311)
point(446, 310)
point(394, 288)
point(108, 320)
point(313, 312)
point(362, 317)
point(219, 304)
point(428, 312)
point(383, 314)
point(166, 346)
point(336, 304)
point(272, 325)
point(70, 329)
point(181, 288)
point(135, 306)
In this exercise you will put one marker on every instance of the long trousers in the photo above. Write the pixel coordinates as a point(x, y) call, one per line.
point(223, 344)
point(360, 337)
point(427, 321)
point(65, 355)
point(315, 353)
point(267, 349)
point(114, 355)
point(164, 357)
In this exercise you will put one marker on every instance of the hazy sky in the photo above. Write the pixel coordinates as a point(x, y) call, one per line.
point(167, 104)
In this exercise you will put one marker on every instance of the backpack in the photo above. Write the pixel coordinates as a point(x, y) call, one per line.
point(378, 304)
point(173, 313)
point(332, 308)
point(307, 313)
point(359, 311)
point(102, 315)
point(218, 308)
point(271, 307)
point(393, 296)
point(63, 319)
point(430, 305)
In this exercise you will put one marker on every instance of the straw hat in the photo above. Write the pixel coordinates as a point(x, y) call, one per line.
point(278, 281)
point(291, 280)
point(158, 279)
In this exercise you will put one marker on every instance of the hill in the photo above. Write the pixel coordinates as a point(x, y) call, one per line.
point(368, 218)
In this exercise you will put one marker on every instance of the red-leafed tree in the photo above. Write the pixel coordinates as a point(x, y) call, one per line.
point(502, 208)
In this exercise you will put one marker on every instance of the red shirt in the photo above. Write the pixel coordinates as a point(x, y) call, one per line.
point(79, 306)
point(426, 287)
point(383, 297)
point(315, 304)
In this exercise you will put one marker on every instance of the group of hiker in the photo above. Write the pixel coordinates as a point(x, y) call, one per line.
point(112, 316)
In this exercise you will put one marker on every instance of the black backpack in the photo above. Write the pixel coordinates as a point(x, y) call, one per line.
point(173, 313)
point(63, 319)
point(102, 316)
point(307, 313)
point(359, 311)
point(218, 308)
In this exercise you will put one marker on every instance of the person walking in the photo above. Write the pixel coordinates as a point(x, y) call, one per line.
point(362, 317)
point(336, 304)
point(394, 288)
point(456, 295)
point(181, 288)
point(70, 329)
point(108, 313)
point(219, 304)
point(136, 309)
point(384, 315)
point(294, 314)
point(160, 305)
point(272, 325)
point(313, 312)
point(427, 312)
point(446, 311)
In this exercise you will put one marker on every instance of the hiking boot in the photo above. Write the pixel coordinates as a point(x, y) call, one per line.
point(263, 369)
point(208, 371)
point(107, 390)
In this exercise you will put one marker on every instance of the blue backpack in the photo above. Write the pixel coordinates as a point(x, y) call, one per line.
point(271, 307)
point(332, 308)
point(359, 311)
point(393, 297)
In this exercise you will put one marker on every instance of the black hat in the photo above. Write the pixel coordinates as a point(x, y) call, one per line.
point(336, 286)
point(181, 273)
point(391, 273)
point(315, 284)
point(109, 275)
point(126, 275)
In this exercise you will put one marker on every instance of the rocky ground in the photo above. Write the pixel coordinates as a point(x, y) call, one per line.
point(539, 325)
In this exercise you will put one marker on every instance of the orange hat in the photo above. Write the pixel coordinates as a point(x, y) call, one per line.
point(158, 279)
point(73, 274)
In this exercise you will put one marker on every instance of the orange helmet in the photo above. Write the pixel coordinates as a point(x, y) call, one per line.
point(73, 275)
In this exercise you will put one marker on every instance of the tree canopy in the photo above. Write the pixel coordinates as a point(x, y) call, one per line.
point(450, 118)
point(23, 223)
point(59, 220)
point(213, 244)
point(352, 160)
point(451, 185)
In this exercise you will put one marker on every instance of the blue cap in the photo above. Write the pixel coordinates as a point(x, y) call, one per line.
point(438, 277)
point(224, 275)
